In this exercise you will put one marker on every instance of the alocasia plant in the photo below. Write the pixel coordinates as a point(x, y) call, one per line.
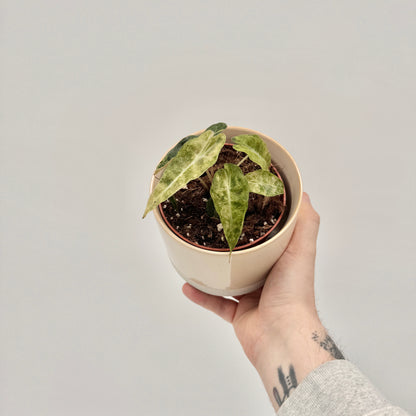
point(230, 188)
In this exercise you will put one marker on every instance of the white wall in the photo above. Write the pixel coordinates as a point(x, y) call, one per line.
point(92, 319)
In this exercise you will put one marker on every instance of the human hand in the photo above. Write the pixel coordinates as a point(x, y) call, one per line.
point(278, 324)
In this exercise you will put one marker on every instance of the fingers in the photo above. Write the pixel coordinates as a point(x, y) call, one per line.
point(225, 308)
point(303, 241)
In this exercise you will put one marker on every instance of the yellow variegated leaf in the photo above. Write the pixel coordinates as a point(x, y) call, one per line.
point(230, 192)
point(192, 160)
point(216, 128)
point(173, 152)
point(254, 147)
point(264, 183)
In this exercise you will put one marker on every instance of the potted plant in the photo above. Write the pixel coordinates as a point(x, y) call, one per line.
point(226, 200)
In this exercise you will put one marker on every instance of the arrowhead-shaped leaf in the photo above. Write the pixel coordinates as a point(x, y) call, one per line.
point(192, 160)
point(255, 148)
point(173, 152)
point(264, 183)
point(230, 192)
point(216, 128)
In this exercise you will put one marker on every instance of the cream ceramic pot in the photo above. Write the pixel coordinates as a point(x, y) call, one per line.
point(216, 272)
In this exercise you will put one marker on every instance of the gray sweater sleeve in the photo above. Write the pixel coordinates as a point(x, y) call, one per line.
point(337, 388)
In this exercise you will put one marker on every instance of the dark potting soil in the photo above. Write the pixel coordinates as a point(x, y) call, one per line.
point(190, 218)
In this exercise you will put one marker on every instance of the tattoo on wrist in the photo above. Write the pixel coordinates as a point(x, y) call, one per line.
point(328, 344)
point(287, 383)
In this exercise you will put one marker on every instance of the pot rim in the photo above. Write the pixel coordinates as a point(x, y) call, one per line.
point(288, 223)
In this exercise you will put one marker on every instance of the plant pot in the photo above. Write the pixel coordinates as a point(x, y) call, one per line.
point(215, 272)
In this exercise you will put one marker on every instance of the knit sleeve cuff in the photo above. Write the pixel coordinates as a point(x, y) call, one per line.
point(335, 388)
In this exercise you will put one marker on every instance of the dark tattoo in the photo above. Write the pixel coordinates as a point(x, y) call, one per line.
point(287, 382)
point(329, 345)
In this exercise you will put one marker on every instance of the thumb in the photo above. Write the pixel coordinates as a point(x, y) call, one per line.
point(302, 245)
point(292, 276)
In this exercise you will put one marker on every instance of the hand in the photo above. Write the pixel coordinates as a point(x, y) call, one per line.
point(278, 324)
point(288, 291)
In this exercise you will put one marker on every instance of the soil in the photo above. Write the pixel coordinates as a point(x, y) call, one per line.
point(190, 219)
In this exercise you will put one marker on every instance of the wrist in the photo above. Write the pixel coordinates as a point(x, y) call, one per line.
point(283, 335)
point(287, 354)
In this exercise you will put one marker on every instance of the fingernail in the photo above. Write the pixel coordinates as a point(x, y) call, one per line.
point(306, 197)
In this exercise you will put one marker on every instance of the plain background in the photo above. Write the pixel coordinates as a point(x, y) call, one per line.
point(92, 318)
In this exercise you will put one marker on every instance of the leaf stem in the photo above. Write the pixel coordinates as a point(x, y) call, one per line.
point(203, 183)
point(209, 174)
point(242, 160)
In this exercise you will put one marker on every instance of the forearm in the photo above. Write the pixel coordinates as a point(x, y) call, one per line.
point(284, 360)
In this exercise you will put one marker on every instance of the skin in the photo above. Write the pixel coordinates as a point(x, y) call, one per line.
point(278, 325)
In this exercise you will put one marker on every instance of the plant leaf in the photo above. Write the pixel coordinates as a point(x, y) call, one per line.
point(192, 160)
point(264, 183)
point(211, 209)
point(172, 200)
point(255, 148)
point(173, 152)
point(230, 192)
point(217, 127)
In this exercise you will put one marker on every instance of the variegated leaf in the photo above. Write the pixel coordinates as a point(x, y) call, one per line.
point(254, 147)
point(192, 160)
point(230, 192)
point(264, 183)
point(173, 152)
point(216, 128)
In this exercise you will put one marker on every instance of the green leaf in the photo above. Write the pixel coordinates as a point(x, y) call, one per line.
point(192, 160)
point(211, 209)
point(173, 152)
point(255, 148)
point(230, 192)
point(217, 127)
point(174, 203)
point(264, 183)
